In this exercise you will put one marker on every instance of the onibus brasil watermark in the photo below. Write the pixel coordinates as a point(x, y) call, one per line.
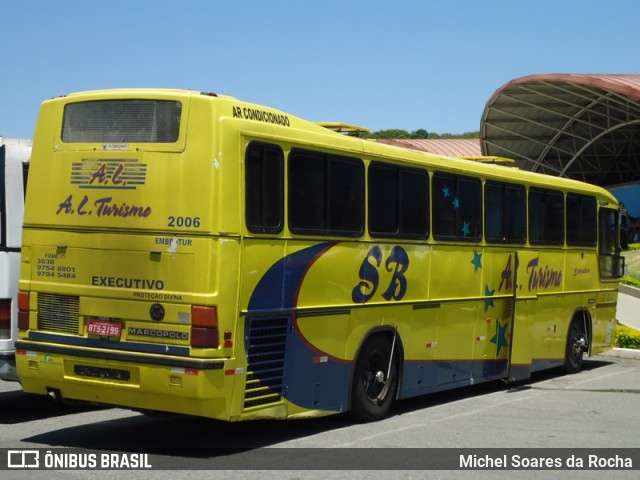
point(221, 458)
point(37, 459)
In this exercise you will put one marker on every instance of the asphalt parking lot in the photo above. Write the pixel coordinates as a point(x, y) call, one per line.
point(595, 409)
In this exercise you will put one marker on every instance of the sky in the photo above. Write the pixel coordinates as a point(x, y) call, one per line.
point(405, 64)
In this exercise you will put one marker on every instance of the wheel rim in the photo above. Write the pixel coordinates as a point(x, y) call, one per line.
point(374, 379)
point(578, 342)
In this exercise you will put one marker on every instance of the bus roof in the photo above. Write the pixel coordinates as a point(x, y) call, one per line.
point(485, 166)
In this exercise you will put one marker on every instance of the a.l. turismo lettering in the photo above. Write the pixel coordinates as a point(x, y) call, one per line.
point(542, 277)
point(124, 282)
point(107, 209)
point(103, 207)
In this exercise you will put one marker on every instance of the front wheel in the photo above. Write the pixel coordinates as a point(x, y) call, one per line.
point(374, 381)
point(576, 346)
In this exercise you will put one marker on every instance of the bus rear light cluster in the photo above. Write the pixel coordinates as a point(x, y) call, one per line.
point(5, 318)
point(204, 327)
point(23, 310)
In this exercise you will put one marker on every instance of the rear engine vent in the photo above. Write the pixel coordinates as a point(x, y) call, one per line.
point(266, 340)
point(58, 313)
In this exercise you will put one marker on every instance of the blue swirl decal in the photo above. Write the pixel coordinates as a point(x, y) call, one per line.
point(312, 379)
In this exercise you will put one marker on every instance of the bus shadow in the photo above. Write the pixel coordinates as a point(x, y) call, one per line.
point(192, 436)
point(17, 407)
point(184, 437)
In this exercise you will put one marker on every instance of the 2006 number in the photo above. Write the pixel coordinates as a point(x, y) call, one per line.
point(187, 222)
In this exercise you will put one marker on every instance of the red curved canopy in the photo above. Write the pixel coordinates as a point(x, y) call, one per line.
point(581, 126)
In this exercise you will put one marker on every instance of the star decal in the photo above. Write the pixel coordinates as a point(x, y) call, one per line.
point(477, 260)
point(445, 192)
point(500, 338)
point(489, 301)
point(456, 203)
point(465, 229)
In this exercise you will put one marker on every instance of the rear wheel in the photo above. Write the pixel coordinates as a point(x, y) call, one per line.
point(577, 345)
point(374, 381)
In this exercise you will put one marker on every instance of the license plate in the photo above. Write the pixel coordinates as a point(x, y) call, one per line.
point(104, 328)
point(99, 372)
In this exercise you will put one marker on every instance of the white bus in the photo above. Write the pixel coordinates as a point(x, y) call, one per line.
point(14, 165)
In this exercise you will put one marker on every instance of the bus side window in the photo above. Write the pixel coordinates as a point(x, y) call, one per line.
point(611, 262)
point(307, 192)
point(546, 217)
point(264, 188)
point(326, 194)
point(457, 207)
point(398, 201)
point(414, 203)
point(346, 196)
point(505, 213)
point(581, 220)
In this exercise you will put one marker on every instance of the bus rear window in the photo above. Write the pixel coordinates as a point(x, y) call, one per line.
point(122, 121)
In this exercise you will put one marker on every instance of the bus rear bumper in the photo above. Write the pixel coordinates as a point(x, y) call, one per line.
point(138, 386)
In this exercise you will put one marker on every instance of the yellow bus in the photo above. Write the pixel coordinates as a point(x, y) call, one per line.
point(193, 253)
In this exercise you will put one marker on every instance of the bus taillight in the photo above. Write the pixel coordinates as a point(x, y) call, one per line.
point(5, 318)
point(204, 327)
point(23, 310)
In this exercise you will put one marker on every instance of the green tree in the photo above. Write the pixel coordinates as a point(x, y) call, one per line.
point(390, 133)
point(420, 133)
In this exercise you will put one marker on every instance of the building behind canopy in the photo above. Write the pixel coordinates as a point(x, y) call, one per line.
point(451, 147)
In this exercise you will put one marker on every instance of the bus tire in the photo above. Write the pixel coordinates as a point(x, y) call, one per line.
point(372, 391)
point(576, 346)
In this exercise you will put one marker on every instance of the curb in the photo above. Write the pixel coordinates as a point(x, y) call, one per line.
point(629, 353)
point(629, 290)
